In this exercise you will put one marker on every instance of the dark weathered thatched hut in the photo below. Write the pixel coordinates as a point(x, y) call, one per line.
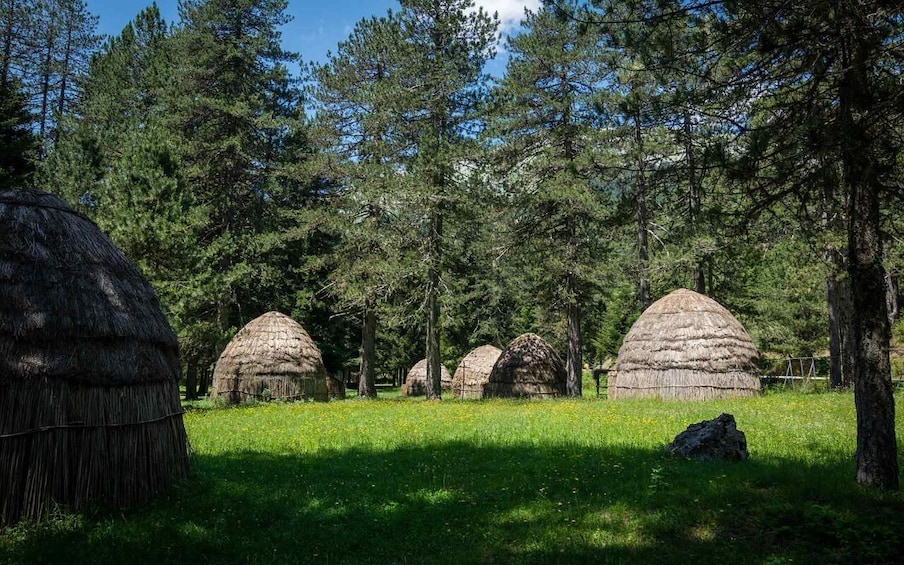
point(416, 382)
point(271, 358)
point(686, 346)
point(529, 368)
point(89, 367)
point(474, 372)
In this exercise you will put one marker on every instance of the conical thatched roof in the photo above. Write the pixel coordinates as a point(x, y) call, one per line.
point(474, 372)
point(416, 381)
point(89, 367)
point(528, 367)
point(686, 346)
point(272, 357)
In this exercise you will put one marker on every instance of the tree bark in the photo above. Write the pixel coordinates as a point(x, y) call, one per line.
point(693, 197)
point(45, 84)
point(7, 56)
point(836, 378)
point(64, 75)
point(204, 382)
point(891, 298)
point(191, 379)
point(573, 365)
point(643, 253)
point(366, 379)
point(877, 457)
point(434, 377)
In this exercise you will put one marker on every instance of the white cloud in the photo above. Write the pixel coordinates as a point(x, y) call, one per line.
point(510, 12)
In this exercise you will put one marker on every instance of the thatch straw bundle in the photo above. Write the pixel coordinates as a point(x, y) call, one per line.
point(271, 358)
point(474, 372)
point(527, 368)
point(89, 367)
point(686, 346)
point(416, 381)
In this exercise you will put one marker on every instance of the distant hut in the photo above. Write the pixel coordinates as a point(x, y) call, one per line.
point(416, 381)
point(474, 372)
point(686, 346)
point(271, 358)
point(528, 367)
point(89, 368)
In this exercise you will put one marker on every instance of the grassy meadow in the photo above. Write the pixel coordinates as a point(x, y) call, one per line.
point(564, 481)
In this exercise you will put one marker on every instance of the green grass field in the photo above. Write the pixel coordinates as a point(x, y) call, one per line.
point(587, 481)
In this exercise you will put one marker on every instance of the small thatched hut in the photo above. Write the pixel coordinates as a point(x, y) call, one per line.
point(416, 381)
point(271, 358)
point(89, 367)
point(474, 372)
point(686, 346)
point(529, 368)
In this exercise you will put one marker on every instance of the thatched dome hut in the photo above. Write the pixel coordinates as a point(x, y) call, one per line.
point(416, 382)
point(271, 358)
point(686, 346)
point(527, 368)
point(89, 367)
point(474, 372)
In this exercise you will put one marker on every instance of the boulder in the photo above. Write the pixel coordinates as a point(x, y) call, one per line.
point(711, 439)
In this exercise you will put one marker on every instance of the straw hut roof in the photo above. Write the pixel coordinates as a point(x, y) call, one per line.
point(272, 357)
point(528, 367)
point(474, 372)
point(686, 346)
point(89, 367)
point(416, 381)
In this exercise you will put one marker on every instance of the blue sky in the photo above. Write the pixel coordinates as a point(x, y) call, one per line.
point(318, 25)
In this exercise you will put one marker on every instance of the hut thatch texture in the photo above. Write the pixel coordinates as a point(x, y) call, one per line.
point(271, 358)
point(416, 381)
point(686, 346)
point(89, 367)
point(527, 368)
point(474, 372)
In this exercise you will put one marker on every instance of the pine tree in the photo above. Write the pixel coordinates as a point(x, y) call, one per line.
point(442, 48)
point(353, 133)
point(547, 120)
point(18, 146)
point(238, 117)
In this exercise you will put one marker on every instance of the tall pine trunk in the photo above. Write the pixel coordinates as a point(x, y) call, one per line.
point(693, 197)
point(366, 379)
point(836, 378)
point(64, 75)
point(573, 365)
point(7, 56)
point(434, 377)
point(640, 202)
point(46, 73)
point(877, 457)
point(191, 379)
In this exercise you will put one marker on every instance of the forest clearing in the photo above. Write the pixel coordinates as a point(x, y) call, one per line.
point(446, 292)
point(496, 481)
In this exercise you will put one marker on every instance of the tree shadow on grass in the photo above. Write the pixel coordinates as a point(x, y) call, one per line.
point(461, 503)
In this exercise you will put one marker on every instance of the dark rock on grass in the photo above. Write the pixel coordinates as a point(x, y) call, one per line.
point(717, 439)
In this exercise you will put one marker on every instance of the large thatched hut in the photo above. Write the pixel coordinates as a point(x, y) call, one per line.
point(527, 368)
point(416, 382)
point(686, 346)
point(474, 372)
point(89, 368)
point(271, 358)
